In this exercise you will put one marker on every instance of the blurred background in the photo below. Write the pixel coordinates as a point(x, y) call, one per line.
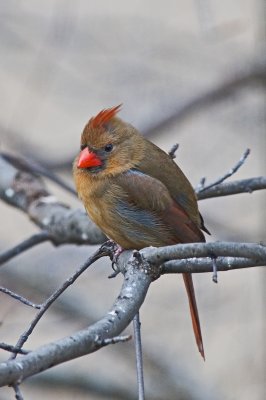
point(60, 63)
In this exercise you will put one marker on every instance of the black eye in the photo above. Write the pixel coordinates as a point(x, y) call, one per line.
point(108, 148)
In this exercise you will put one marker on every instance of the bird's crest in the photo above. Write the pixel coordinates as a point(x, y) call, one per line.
point(104, 116)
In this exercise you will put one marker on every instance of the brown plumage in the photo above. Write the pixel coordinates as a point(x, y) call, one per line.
point(136, 193)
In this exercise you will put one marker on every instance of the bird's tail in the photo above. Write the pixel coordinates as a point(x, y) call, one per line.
point(194, 312)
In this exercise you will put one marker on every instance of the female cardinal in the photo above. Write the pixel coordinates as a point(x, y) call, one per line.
point(135, 192)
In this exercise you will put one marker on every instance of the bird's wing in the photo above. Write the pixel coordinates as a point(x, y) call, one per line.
point(143, 193)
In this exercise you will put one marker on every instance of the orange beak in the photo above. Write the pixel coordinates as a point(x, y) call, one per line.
point(88, 159)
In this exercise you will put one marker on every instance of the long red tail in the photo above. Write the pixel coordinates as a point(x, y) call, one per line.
point(194, 312)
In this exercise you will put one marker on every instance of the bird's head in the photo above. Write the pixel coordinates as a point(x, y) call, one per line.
point(108, 144)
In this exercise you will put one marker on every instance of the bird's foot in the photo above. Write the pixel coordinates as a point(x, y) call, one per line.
point(117, 250)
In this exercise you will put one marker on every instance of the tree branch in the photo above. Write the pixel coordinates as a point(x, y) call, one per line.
point(199, 265)
point(157, 256)
point(19, 298)
point(233, 170)
point(12, 349)
point(33, 240)
point(240, 186)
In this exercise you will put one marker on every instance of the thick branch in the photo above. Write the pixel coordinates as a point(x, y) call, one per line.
point(158, 256)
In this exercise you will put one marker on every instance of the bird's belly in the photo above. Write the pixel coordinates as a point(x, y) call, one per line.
point(130, 229)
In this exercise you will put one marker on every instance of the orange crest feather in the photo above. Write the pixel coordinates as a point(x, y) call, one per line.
point(104, 116)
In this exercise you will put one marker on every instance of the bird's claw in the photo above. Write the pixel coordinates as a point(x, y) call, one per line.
point(117, 250)
point(114, 274)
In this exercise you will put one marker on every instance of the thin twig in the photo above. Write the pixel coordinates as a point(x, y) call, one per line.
point(26, 244)
point(173, 150)
point(139, 360)
point(12, 349)
point(214, 270)
point(17, 390)
point(101, 252)
point(19, 298)
point(232, 171)
point(200, 185)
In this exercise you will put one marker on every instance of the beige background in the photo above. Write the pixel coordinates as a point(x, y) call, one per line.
point(60, 63)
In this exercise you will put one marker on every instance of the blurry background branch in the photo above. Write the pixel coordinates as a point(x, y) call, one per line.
point(251, 74)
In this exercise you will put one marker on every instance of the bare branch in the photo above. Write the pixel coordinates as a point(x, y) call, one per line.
point(232, 171)
point(19, 298)
point(157, 256)
point(241, 186)
point(200, 265)
point(25, 245)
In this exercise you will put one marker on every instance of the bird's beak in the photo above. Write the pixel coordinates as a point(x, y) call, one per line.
point(88, 159)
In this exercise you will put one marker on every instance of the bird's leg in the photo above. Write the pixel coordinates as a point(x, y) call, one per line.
point(114, 257)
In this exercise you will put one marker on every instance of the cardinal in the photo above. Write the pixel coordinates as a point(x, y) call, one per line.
point(136, 193)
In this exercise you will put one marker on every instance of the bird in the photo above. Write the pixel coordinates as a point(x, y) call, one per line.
point(136, 193)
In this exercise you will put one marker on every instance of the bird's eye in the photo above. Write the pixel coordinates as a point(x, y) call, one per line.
point(108, 148)
point(82, 146)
